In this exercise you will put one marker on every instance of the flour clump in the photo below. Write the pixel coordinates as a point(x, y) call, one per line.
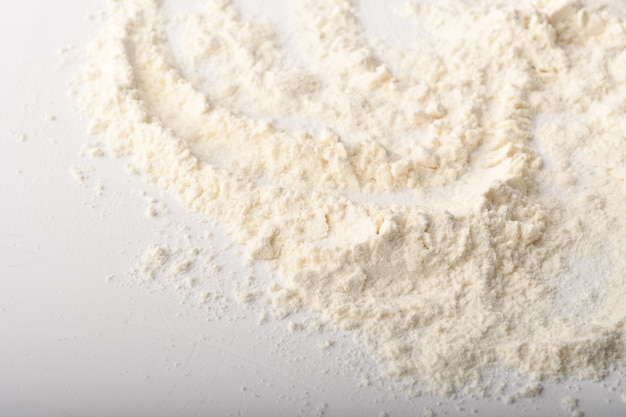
point(456, 202)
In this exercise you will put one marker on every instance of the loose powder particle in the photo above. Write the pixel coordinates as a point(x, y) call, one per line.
point(154, 259)
point(457, 202)
point(19, 136)
point(80, 174)
point(93, 150)
point(570, 404)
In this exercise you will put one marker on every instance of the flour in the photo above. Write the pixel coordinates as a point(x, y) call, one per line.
point(154, 259)
point(19, 137)
point(570, 404)
point(93, 150)
point(77, 174)
point(455, 203)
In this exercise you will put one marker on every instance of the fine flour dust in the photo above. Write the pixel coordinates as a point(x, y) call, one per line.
point(456, 202)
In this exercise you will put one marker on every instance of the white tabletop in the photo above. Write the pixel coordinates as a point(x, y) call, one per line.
point(81, 335)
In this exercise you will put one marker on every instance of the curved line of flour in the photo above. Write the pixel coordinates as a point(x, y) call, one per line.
point(375, 166)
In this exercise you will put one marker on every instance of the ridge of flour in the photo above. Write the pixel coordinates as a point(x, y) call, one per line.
point(455, 203)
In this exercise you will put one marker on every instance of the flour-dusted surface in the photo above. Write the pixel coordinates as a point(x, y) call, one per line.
point(456, 204)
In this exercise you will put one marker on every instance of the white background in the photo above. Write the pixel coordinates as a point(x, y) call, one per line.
point(78, 335)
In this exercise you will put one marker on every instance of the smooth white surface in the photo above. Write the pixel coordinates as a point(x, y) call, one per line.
point(73, 342)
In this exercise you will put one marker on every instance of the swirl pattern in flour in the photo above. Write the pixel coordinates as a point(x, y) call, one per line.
point(455, 203)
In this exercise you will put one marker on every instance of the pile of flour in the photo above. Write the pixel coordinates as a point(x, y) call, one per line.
point(457, 202)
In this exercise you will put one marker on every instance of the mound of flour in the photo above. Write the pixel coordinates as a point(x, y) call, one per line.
point(457, 203)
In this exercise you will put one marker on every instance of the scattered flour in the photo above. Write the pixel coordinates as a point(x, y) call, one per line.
point(456, 203)
point(19, 137)
point(326, 344)
point(429, 413)
point(155, 207)
point(80, 173)
point(570, 404)
point(92, 149)
point(246, 296)
point(154, 259)
point(529, 391)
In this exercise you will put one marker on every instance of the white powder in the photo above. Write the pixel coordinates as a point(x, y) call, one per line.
point(246, 297)
point(326, 344)
point(80, 173)
point(530, 390)
point(154, 259)
point(93, 149)
point(457, 203)
point(77, 174)
point(19, 136)
point(570, 404)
